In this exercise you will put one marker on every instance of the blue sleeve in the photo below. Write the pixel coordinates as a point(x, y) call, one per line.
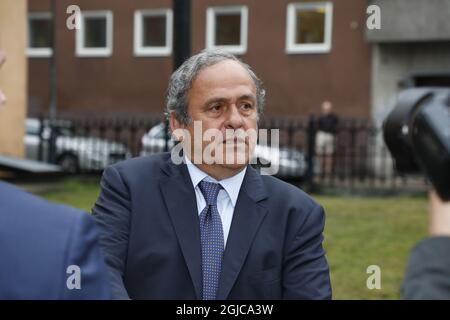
point(306, 272)
point(428, 272)
point(112, 213)
point(83, 252)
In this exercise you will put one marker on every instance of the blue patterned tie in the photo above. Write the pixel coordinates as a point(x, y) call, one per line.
point(211, 236)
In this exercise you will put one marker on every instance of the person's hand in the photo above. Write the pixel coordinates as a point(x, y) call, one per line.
point(2, 60)
point(439, 213)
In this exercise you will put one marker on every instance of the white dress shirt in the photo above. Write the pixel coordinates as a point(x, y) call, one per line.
point(226, 199)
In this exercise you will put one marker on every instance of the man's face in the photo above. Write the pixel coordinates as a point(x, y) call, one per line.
point(326, 107)
point(223, 97)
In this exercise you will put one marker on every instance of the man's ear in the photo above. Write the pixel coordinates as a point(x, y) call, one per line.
point(176, 127)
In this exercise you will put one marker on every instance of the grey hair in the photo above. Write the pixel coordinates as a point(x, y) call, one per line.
point(181, 82)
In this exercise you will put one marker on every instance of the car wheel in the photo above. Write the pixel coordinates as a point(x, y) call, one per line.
point(68, 163)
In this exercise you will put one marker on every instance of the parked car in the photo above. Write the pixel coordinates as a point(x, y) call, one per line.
point(72, 153)
point(291, 162)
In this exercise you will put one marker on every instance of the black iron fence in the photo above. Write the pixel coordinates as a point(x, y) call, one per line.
point(354, 157)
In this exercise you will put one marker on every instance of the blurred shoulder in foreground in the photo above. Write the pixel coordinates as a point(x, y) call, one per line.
point(48, 251)
point(428, 271)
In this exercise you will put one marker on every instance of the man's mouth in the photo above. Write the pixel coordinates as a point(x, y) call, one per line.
point(236, 140)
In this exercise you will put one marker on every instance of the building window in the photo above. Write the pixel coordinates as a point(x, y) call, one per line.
point(153, 32)
point(226, 28)
point(94, 38)
point(309, 27)
point(40, 34)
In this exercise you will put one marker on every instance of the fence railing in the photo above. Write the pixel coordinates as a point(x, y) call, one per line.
point(358, 157)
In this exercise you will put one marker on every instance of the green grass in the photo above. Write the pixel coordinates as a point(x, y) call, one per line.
point(79, 193)
point(359, 232)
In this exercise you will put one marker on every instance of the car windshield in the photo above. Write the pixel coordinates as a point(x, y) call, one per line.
point(157, 132)
point(60, 131)
point(32, 128)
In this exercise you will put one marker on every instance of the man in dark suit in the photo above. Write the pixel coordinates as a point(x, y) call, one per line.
point(210, 228)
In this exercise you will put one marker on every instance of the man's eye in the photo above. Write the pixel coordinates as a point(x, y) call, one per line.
point(216, 107)
point(247, 106)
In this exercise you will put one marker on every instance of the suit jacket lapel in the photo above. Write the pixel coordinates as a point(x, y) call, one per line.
point(180, 200)
point(247, 217)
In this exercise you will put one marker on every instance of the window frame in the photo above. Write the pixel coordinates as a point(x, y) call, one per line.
point(211, 21)
point(291, 29)
point(38, 52)
point(156, 51)
point(80, 49)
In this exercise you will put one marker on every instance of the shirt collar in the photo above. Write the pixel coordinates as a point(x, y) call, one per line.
point(232, 185)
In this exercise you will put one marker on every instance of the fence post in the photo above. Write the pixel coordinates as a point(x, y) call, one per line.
point(51, 141)
point(134, 125)
point(310, 158)
point(353, 153)
point(40, 154)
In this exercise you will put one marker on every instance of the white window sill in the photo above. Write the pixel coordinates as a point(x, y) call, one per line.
point(231, 49)
point(39, 52)
point(94, 53)
point(152, 52)
point(308, 49)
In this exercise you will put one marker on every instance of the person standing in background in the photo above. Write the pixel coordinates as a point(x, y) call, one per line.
point(325, 139)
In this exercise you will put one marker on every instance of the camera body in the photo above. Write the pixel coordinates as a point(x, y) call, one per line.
point(417, 133)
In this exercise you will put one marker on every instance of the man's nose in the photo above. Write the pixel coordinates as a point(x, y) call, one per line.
point(234, 118)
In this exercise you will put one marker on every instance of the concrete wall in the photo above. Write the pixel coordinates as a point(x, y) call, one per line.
point(411, 20)
point(13, 75)
point(392, 63)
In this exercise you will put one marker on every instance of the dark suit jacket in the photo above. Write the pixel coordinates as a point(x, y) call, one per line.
point(428, 272)
point(38, 241)
point(150, 234)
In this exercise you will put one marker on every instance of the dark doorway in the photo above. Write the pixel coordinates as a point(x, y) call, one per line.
point(429, 80)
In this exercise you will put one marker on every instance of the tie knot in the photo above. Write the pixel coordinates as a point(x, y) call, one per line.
point(210, 191)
